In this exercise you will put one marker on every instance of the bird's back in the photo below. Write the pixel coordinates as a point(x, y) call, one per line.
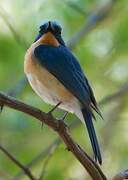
point(45, 84)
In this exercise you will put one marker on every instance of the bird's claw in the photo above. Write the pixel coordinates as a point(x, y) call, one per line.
point(53, 109)
point(64, 116)
point(61, 120)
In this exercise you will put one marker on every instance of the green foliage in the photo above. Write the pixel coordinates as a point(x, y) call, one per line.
point(104, 57)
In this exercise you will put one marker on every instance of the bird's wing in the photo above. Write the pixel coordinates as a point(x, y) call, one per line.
point(60, 62)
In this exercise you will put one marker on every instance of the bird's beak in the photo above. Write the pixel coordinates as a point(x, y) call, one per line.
point(49, 28)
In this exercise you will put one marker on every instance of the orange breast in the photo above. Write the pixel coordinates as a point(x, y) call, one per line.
point(48, 38)
point(42, 76)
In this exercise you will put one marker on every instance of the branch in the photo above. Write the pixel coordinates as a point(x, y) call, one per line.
point(118, 94)
point(12, 158)
point(121, 176)
point(59, 127)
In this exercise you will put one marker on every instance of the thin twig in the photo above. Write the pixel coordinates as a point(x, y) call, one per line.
point(21, 166)
point(92, 21)
point(18, 88)
point(111, 121)
point(58, 126)
point(123, 90)
point(45, 152)
point(46, 162)
point(4, 15)
point(39, 157)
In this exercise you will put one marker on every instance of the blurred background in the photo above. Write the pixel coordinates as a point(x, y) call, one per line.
point(97, 33)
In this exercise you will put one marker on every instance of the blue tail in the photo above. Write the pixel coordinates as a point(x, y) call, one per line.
point(92, 135)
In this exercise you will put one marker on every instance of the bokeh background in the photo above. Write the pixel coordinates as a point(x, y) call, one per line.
point(97, 33)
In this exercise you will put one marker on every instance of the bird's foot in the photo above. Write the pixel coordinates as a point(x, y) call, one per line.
point(61, 120)
point(64, 116)
point(53, 109)
point(61, 126)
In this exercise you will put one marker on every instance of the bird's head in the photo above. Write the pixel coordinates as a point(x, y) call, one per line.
point(52, 29)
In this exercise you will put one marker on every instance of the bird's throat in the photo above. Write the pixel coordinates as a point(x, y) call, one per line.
point(49, 39)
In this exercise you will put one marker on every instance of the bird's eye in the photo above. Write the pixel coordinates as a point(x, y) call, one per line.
point(56, 27)
point(52, 26)
point(43, 28)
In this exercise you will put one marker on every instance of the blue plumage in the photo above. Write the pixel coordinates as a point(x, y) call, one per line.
point(92, 135)
point(61, 63)
point(64, 66)
point(56, 76)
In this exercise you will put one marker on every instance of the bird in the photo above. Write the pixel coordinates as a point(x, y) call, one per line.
point(56, 76)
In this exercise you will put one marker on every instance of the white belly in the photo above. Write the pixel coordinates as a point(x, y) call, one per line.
point(49, 95)
point(41, 90)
